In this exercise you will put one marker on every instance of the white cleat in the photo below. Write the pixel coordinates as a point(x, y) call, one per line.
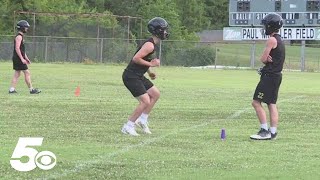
point(144, 127)
point(129, 130)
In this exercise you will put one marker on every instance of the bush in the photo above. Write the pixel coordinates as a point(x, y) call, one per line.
point(192, 56)
point(119, 51)
point(88, 61)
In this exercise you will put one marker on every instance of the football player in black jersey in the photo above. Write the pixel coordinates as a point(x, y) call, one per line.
point(135, 81)
point(267, 89)
point(20, 59)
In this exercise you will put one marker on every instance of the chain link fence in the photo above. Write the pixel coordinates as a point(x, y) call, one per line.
point(235, 55)
point(82, 25)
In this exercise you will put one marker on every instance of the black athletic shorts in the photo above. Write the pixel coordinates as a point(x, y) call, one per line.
point(268, 88)
point(137, 85)
point(18, 65)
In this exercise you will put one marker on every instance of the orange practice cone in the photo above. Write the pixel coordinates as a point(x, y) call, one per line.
point(77, 91)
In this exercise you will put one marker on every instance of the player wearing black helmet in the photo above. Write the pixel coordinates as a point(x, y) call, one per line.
point(135, 81)
point(20, 59)
point(267, 89)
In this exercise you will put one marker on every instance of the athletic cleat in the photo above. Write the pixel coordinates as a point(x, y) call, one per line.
point(129, 130)
point(144, 127)
point(35, 91)
point(262, 135)
point(13, 92)
point(273, 136)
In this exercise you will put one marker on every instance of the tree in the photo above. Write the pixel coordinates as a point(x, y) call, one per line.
point(185, 19)
point(193, 15)
point(217, 11)
point(162, 8)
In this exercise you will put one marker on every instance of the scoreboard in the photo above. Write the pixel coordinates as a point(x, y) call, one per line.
point(294, 12)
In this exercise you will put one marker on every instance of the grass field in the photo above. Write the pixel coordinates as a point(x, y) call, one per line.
point(239, 55)
point(84, 132)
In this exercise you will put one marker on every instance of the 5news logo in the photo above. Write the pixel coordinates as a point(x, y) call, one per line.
point(44, 160)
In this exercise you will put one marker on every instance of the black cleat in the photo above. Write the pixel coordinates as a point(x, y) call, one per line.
point(273, 136)
point(263, 134)
point(35, 91)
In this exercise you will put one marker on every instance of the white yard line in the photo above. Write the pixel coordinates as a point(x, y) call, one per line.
point(82, 165)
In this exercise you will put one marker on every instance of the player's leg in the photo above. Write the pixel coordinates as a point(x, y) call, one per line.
point(136, 87)
point(144, 102)
point(154, 95)
point(260, 112)
point(27, 78)
point(263, 133)
point(129, 127)
point(273, 110)
point(14, 81)
point(274, 118)
point(142, 121)
point(261, 95)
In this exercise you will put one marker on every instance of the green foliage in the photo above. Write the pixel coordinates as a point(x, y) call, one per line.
point(192, 15)
point(194, 56)
point(6, 12)
point(185, 19)
point(119, 50)
point(166, 9)
point(217, 11)
point(188, 55)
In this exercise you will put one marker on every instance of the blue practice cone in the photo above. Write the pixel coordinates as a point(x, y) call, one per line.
point(223, 134)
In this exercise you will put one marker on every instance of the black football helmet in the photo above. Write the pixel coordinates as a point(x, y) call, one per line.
point(272, 23)
point(22, 25)
point(159, 28)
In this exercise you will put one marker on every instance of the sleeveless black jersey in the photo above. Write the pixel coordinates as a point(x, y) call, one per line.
point(22, 48)
point(278, 58)
point(141, 69)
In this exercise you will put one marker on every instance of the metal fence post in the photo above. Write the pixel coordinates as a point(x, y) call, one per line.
point(303, 46)
point(253, 50)
point(160, 51)
point(319, 64)
point(289, 65)
point(216, 58)
point(46, 50)
point(101, 50)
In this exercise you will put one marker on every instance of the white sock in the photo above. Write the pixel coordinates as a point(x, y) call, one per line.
point(144, 118)
point(130, 123)
point(264, 126)
point(273, 130)
point(11, 89)
point(31, 89)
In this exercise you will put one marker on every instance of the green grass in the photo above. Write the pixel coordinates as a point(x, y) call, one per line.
point(84, 132)
point(239, 55)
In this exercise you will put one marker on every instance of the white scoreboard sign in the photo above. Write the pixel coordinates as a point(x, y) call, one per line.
point(232, 34)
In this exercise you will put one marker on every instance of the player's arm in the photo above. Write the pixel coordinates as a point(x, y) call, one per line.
point(146, 49)
point(27, 58)
point(270, 44)
point(17, 49)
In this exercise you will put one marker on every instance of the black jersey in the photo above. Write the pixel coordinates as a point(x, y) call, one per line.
point(141, 69)
point(22, 48)
point(278, 58)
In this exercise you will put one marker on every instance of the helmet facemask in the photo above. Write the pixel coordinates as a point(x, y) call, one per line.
point(163, 33)
point(23, 29)
point(267, 30)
